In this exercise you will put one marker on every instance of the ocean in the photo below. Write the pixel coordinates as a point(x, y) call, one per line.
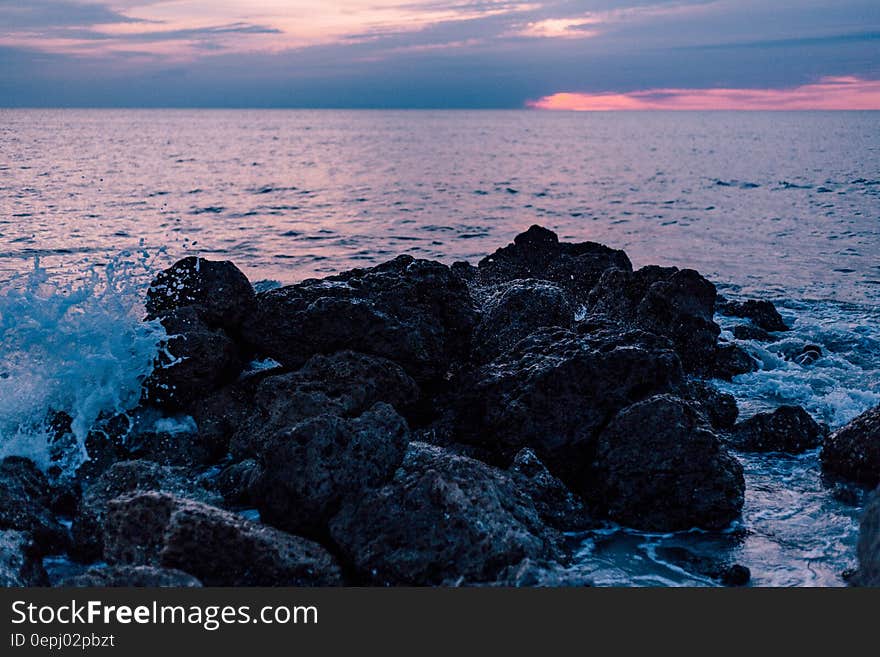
point(784, 206)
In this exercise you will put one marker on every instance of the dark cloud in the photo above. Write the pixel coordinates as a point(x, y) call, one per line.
point(46, 14)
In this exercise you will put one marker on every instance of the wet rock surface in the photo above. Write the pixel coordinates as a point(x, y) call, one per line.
point(869, 545)
point(853, 451)
point(126, 576)
point(787, 429)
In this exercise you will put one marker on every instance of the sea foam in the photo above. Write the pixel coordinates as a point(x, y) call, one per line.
point(78, 348)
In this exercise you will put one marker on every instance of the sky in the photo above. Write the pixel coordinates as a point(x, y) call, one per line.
point(541, 54)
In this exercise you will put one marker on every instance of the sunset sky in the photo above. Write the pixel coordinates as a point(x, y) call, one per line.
point(546, 54)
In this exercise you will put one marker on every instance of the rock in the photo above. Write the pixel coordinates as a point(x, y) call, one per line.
point(557, 506)
point(869, 545)
point(749, 332)
point(556, 389)
point(414, 312)
point(724, 573)
point(126, 477)
point(787, 429)
point(25, 505)
point(216, 546)
point(442, 519)
point(538, 253)
point(237, 483)
point(804, 356)
point(309, 470)
point(675, 303)
point(853, 451)
point(514, 310)
point(132, 576)
point(344, 384)
point(218, 290)
point(661, 469)
point(719, 408)
point(732, 360)
point(762, 313)
point(195, 360)
point(20, 564)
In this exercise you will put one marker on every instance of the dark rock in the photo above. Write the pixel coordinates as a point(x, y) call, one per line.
point(538, 253)
point(557, 506)
point(216, 546)
point(126, 477)
point(732, 360)
point(344, 384)
point(556, 389)
point(723, 572)
point(719, 408)
point(442, 519)
point(237, 482)
point(414, 312)
point(749, 332)
point(804, 356)
point(762, 313)
point(128, 576)
point(853, 451)
point(218, 290)
point(787, 429)
point(309, 470)
point(20, 563)
point(514, 310)
point(869, 545)
point(25, 504)
point(105, 445)
point(676, 303)
point(195, 360)
point(661, 469)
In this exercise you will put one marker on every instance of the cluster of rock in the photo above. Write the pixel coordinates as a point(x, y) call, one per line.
point(415, 424)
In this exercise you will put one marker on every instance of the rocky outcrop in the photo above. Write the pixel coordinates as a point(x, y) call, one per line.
point(538, 253)
point(20, 563)
point(414, 312)
point(762, 313)
point(126, 477)
point(442, 519)
point(853, 451)
point(869, 545)
point(216, 546)
point(787, 429)
point(556, 390)
point(25, 505)
point(555, 503)
point(309, 470)
point(659, 468)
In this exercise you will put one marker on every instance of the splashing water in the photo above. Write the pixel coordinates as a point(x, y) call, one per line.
point(78, 348)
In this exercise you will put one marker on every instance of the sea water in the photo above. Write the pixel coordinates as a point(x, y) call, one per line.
point(784, 206)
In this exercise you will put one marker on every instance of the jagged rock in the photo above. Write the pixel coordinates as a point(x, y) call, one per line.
point(853, 451)
point(514, 310)
point(659, 468)
point(195, 360)
point(676, 303)
point(218, 290)
point(531, 573)
point(125, 477)
point(442, 519)
point(216, 546)
point(732, 360)
point(414, 312)
point(20, 563)
point(128, 576)
point(762, 313)
point(25, 504)
point(308, 470)
point(719, 408)
point(749, 332)
point(557, 506)
point(787, 429)
point(556, 389)
point(538, 253)
point(344, 384)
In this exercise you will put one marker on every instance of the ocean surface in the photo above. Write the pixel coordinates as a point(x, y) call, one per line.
point(785, 206)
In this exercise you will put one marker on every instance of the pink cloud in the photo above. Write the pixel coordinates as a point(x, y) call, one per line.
point(830, 93)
